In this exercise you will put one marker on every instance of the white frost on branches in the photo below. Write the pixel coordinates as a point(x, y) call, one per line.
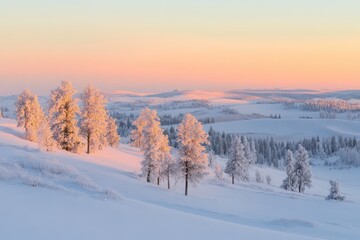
point(29, 114)
point(193, 160)
point(93, 124)
point(63, 110)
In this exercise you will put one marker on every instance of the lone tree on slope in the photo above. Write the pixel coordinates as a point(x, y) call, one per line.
point(192, 157)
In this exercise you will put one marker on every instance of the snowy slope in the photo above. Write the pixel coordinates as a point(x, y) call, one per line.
point(66, 196)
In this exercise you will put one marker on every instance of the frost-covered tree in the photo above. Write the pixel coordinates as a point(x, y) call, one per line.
point(154, 145)
point(258, 177)
point(193, 160)
point(335, 192)
point(349, 156)
point(253, 154)
point(169, 168)
point(268, 179)
point(113, 138)
point(237, 165)
point(93, 119)
point(45, 136)
point(302, 170)
point(63, 110)
point(29, 114)
point(139, 123)
point(211, 158)
point(219, 173)
point(168, 165)
point(247, 149)
point(289, 181)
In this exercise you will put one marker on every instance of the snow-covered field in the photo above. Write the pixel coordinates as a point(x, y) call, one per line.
point(101, 196)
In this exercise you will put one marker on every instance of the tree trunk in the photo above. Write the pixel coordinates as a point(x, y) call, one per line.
point(148, 176)
point(186, 178)
point(158, 181)
point(168, 180)
point(88, 143)
point(232, 179)
point(300, 188)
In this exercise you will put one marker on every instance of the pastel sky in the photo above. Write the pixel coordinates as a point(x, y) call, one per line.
point(154, 45)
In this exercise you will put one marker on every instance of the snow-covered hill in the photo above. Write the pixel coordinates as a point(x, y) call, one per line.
point(100, 196)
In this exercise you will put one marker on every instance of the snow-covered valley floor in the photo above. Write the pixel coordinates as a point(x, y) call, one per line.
point(62, 195)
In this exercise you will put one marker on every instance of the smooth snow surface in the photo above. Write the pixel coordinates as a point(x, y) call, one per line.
point(62, 195)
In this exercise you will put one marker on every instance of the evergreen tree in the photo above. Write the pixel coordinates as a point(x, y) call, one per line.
point(237, 165)
point(113, 138)
point(93, 119)
point(253, 153)
point(192, 159)
point(335, 192)
point(63, 109)
point(289, 182)
point(302, 170)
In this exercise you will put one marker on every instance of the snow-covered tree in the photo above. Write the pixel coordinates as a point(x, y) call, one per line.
point(113, 138)
point(289, 181)
point(139, 123)
point(29, 114)
point(63, 109)
point(335, 192)
point(237, 165)
point(211, 158)
point(247, 149)
point(93, 119)
point(219, 173)
point(168, 167)
point(45, 136)
point(253, 154)
point(302, 170)
point(268, 179)
point(349, 156)
point(154, 145)
point(258, 177)
point(192, 158)
point(166, 161)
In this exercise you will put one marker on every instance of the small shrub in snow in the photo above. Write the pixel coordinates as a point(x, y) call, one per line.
point(334, 192)
point(219, 173)
point(111, 194)
point(268, 179)
point(259, 178)
point(45, 136)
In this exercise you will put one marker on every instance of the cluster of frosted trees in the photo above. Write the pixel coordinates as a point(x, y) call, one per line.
point(326, 105)
point(66, 126)
point(273, 153)
point(297, 170)
point(158, 163)
point(242, 155)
